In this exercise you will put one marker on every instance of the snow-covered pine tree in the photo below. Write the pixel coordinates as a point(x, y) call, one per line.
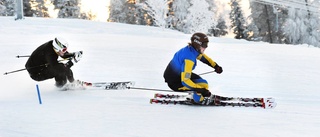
point(2, 9)
point(199, 17)
point(115, 11)
point(221, 28)
point(27, 11)
point(123, 11)
point(7, 7)
point(38, 8)
point(302, 27)
point(220, 9)
point(142, 17)
point(68, 8)
point(157, 10)
point(238, 22)
point(180, 12)
point(268, 20)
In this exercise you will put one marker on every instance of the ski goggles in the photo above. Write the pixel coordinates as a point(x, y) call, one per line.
point(204, 44)
point(63, 50)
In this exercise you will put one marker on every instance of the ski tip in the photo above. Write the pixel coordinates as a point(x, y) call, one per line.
point(151, 101)
point(274, 104)
point(269, 105)
point(156, 95)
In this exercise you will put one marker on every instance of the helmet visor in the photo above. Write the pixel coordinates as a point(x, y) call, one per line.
point(204, 44)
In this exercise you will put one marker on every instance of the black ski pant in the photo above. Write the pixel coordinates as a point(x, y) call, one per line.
point(60, 77)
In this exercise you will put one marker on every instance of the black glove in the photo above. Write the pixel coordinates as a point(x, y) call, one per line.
point(69, 64)
point(204, 92)
point(218, 69)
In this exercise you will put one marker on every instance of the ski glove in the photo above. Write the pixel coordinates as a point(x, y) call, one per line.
point(218, 69)
point(69, 64)
point(204, 92)
point(77, 56)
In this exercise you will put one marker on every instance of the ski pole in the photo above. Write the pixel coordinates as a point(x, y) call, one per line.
point(207, 72)
point(22, 56)
point(153, 89)
point(6, 73)
point(14, 71)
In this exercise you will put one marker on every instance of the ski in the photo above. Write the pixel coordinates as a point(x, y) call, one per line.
point(81, 85)
point(158, 101)
point(216, 103)
point(217, 97)
point(110, 85)
point(169, 96)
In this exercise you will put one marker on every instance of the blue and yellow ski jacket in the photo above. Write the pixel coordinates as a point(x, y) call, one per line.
point(180, 67)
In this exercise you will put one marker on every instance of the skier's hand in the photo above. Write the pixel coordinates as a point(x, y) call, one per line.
point(69, 64)
point(218, 69)
point(204, 92)
point(77, 56)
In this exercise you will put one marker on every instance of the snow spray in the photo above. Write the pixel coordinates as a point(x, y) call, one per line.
point(39, 97)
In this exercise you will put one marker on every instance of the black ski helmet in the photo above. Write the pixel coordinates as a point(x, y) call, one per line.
point(199, 39)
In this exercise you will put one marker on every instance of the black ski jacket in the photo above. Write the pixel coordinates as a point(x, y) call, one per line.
point(44, 57)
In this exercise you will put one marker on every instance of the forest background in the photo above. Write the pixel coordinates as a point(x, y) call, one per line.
point(273, 21)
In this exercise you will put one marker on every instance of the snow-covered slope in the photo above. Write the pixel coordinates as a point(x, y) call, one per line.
point(121, 52)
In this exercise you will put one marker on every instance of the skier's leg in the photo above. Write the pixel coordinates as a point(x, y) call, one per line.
point(42, 75)
point(69, 75)
point(61, 80)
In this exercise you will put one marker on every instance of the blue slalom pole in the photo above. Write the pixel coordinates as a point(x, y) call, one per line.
point(39, 97)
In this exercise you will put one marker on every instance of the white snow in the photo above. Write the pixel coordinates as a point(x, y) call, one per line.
point(121, 52)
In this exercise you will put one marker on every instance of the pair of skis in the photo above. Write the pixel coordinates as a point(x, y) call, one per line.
point(214, 100)
point(159, 98)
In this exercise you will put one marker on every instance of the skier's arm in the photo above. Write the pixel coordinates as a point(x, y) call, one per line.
point(54, 65)
point(207, 60)
point(67, 55)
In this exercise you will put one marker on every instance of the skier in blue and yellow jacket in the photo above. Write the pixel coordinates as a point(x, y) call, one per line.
point(179, 75)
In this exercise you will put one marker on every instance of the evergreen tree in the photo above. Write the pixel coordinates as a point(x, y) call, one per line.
point(199, 17)
point(2, 9)
point(27, 11)
point(157, 10)
point(220, 29)
point(268, 20)
point(220, 10)
point(142, 17)
point(180, 11)
point(68, 8)
point(123, 11)
point(7, 7)
point(302, 27)
point(238, 22)
point(38, 8)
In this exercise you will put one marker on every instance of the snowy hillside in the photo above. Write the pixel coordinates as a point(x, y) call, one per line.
point(121, 52)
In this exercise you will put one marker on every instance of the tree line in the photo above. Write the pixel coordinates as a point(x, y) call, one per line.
point(268, 23)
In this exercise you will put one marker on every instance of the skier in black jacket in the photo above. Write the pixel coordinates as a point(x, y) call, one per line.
point(43, 63)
